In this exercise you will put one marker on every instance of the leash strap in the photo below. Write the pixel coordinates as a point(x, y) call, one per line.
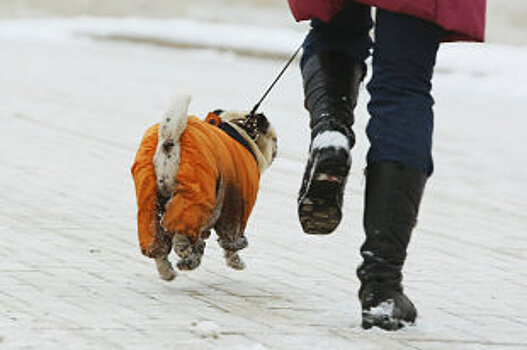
point(256, 106)
point(251, 123)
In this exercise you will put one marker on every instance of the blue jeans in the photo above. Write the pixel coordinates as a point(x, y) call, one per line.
point(404, 55)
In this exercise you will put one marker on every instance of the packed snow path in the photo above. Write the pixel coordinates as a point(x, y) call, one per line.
point(72, 113)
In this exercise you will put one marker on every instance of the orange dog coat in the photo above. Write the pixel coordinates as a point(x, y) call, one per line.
point(216, 187)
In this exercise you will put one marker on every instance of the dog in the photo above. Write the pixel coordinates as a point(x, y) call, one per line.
point(193, 176)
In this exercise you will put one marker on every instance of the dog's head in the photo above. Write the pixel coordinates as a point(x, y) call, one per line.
point(263, 142)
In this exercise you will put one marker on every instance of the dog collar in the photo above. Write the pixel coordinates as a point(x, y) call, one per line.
point(214, 119)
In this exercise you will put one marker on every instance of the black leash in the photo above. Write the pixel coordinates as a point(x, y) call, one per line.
point(251, 121)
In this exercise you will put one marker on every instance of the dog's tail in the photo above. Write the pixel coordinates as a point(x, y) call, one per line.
point(167, 156)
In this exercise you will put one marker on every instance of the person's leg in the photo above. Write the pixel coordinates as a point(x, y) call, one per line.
point(400, 128)
point(332, 68)
point(399, 161)
point(346, 33)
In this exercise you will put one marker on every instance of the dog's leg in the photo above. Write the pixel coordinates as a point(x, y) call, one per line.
point(233, 260)
point(231, 246)
point(189, 253)
point(165, 269)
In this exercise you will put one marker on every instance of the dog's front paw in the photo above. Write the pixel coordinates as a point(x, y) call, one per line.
point(182, 245)
point(190, 263)
point(189, 253)
point(165, 269)
point(234, 261)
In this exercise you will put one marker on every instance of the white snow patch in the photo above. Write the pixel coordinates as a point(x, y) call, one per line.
point(256, 346)
point(276, 41)
point(368, 254)
point(205, 329)
point(330, 139)
point(383, 309)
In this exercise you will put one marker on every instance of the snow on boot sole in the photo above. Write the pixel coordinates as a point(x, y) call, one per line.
point(384, 322)
point(391, 314)
point(319, 208)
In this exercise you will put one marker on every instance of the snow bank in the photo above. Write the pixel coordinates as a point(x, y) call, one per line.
point(179, 32)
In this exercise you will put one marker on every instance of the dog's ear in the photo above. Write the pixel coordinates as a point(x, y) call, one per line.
point(218, 112)
point(214, 118)
point(262, 123)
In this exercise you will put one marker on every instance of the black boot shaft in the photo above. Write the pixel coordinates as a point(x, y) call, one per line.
point(393, 195)
point(331, 84)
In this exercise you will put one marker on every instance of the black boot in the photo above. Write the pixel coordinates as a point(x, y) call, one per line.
point(393, 194)
point(331, 83)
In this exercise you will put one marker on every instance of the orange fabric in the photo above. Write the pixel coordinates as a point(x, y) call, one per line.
point(212, 119)
point(143, 171)
point(208, 155)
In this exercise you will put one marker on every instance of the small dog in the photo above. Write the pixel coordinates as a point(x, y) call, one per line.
point(192, 176)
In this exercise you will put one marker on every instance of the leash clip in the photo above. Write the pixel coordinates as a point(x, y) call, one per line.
point(251, 126)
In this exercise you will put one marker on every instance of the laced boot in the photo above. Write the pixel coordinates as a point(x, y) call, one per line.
point(393, 195)
point(331, 83)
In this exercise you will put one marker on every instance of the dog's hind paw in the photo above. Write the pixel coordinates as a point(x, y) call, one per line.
point(165, 269)
point(189, 263)
point(234, 261)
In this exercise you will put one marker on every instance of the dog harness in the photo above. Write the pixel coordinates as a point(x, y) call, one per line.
point(214, 119)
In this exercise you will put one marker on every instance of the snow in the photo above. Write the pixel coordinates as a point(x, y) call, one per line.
point(383, 309)
point(330, 139)
point(178, 32)
point(73, 111)
point(205, 329)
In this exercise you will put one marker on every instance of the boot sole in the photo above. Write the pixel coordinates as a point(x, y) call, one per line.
point(318, 210)
point(384, 322)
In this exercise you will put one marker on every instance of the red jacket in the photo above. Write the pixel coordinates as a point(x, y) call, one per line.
point(461, 19)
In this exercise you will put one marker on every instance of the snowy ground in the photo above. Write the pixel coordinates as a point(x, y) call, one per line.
point(73, 111)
